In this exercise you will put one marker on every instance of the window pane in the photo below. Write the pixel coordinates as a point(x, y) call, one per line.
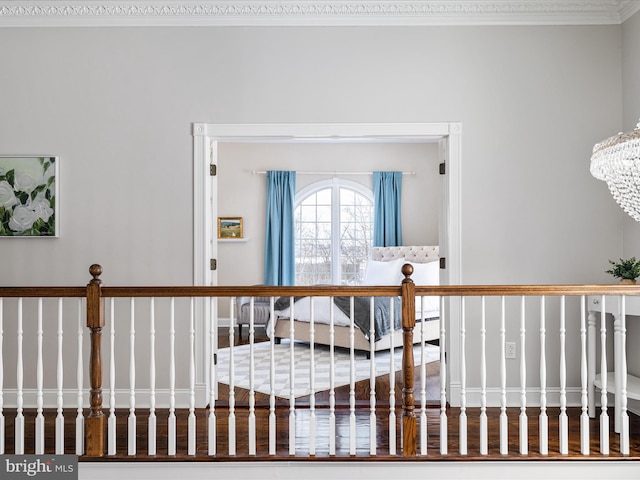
point(317, 244)
point(347, 197)
point(323, 197)
point(355, 235)
point(323, 231)
point(323, 213)
point(307, 213)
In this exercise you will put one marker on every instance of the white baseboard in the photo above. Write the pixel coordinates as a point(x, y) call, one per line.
point(122, 400)
point(224, 322)
point(473, 397)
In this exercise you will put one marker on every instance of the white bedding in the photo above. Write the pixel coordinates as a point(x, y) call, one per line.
point(428, 308)
point(383, 269)
point(321, 311)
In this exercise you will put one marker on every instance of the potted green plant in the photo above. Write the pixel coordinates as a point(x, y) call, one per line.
point(626, 270)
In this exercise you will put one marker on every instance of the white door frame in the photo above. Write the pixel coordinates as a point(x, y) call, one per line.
point(206, 138)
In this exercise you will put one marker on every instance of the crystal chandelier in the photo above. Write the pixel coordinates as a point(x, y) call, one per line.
point(616, 160)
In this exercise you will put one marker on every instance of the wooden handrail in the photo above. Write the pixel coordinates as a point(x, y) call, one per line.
point(44, 292)
point(251, 291)
point(526, 290)
point(375, 291)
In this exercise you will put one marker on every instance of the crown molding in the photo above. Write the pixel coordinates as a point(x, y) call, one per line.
point(56, 13)
point(628, 8)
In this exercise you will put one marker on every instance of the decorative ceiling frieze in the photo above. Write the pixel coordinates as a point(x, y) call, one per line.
point(36, 13)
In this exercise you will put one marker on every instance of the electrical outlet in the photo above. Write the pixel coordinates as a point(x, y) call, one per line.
point(510, 350)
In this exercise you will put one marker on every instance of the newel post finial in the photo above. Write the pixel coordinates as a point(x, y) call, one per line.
point(407, 271)
point(95, 270)
point(94, 424)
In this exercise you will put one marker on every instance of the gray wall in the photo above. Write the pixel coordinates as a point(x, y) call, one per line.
point(242, 193)
point(631, 112)
point(116, 104)
point(631, 115)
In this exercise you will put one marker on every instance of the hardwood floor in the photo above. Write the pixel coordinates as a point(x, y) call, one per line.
point(303, 438)
point(343, 442)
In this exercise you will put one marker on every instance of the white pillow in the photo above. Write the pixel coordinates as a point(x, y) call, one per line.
point(384, 273)
point(427, 274)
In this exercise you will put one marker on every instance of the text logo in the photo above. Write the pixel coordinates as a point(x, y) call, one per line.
point(51, 467)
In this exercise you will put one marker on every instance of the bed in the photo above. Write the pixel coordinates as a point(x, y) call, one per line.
point(384, 268)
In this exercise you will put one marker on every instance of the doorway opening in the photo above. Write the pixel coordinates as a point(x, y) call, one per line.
point(208, 137)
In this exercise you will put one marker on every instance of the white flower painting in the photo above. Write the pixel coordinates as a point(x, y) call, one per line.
point(28, 196)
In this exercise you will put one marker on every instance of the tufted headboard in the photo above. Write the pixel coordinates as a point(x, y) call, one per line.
point(416, 254)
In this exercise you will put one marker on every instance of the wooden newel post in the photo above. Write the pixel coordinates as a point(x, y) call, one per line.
point(94, 424)
point(409, 429)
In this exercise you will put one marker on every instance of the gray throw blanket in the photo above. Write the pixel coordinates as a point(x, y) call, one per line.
point(381, 307)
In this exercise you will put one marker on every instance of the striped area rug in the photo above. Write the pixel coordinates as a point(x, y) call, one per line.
point(302, 366)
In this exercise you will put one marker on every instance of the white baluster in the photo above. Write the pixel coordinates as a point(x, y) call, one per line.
point(524, 421)
point(584, 397)
point(591, 361)
point(252, 395)
point(392, 382)
point(444, 450)
point(39, 380)
point(504, 424)
point(213, 341)
point(272, 378)
point(312, 380)
point(151, 427)
point(19, 423)
point(564, 420)
point(332, 392)
point(604, 417)
point(232, 384)
point(39, 427)
point(131, 430)
point(2, 446)
point(483, 380)
point(372, 380)
point(171, 426)
point(463, 383)
point(60, 396)
point(423, 383)
point(111, 442)
point(617, 367)
point(624, 414)
point(292, 382)
point(79, 381)
point(543, 421)
point(191, 449)
point(352, 378)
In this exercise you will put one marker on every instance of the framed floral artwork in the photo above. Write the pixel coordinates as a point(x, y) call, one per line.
point(28, 196)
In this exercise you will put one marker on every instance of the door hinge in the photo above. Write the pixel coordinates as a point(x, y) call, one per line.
point(213, 170)
point(443, 262)
point(215, 358)
point(443, 168)
point(213, 264)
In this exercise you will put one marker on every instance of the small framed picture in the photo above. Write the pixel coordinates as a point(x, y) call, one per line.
point(28, 197)
point(230, 227)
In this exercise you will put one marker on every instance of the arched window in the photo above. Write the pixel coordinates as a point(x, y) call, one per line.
point(334, 229)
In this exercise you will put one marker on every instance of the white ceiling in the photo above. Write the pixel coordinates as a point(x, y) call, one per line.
point(44, 13)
